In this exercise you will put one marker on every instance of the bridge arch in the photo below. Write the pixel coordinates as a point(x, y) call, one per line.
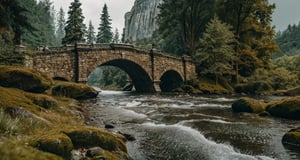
point(170, 80)
point(146, 68)
point(140, 78)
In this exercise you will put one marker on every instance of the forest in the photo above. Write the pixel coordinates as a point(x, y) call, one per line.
point(232, 41)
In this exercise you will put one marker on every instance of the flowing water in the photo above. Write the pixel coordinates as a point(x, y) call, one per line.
point(183, 127)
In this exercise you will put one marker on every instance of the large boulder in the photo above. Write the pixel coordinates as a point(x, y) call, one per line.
point(285, 108)
point(74, 90)
point(292, 137)
point(249, 105)
point(59, 144)
point(93, 137)
point(24, 79)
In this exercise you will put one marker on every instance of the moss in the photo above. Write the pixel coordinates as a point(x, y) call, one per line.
point(286, 108)
point(59, 144)
point(25, 79)
point(15, 151)
point(44, 101)
point(91, 137)
point(292, 138)
point(248, 105)
point(209, 87)
point(74, 90)
point(98, 153)
point(15, 98)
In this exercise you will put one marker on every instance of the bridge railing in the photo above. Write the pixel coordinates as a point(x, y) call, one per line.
point(108, 46)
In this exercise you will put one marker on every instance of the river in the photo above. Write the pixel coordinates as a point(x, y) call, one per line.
point(183, 127)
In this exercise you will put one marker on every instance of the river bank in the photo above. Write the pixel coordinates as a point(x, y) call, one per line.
point(41, 119)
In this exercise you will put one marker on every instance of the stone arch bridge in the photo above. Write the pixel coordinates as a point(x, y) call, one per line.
point(149, 71)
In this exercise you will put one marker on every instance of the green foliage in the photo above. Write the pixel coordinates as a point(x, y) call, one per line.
point(105, 34)
point(75, 28)
point(90, 37)
point(41, 16)
point(291, 63)
point(182, 22)
point(288, 41)
point(265, 80)
point(13, 18)
point(108, 77)
point(251, 21)
point(216, 53)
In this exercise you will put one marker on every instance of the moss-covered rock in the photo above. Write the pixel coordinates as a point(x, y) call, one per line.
point(248, 105)
point(90, 137)
point(15, 98)
point(44, 101)
point(292, 138)
point(59, 144)
point(74, 90)
point(25, 79)
point(205, 86)
point(96, 153)
point(285, 108)
point(16, 151)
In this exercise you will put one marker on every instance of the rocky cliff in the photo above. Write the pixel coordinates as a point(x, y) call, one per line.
point(140, 22)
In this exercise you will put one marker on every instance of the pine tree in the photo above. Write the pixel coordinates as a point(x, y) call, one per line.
point(14, 18)
point(91, 34)
point(105, 34)
point(61, 24)
point(75, 28)
point(116, 38)
point(216, 52)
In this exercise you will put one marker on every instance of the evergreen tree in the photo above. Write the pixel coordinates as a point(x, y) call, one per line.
point(47, 24)
point(105, 34)
point(216, 52)
point(61, 24)
point(14, 19)
point(75, 28)
point(41, 17)
point(91, 34)
point(116, 38)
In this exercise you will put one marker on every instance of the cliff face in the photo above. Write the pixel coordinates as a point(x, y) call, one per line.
point(140, 22)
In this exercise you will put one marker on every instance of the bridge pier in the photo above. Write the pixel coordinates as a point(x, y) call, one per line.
point(156, 86)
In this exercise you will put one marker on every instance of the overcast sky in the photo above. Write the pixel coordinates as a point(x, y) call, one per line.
point(92, 10)
point(286, 12)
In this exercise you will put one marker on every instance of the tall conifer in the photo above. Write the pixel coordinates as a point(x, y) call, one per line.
point(75, 28)
point(61, 24)
point(105, 34)
point(90, 38)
